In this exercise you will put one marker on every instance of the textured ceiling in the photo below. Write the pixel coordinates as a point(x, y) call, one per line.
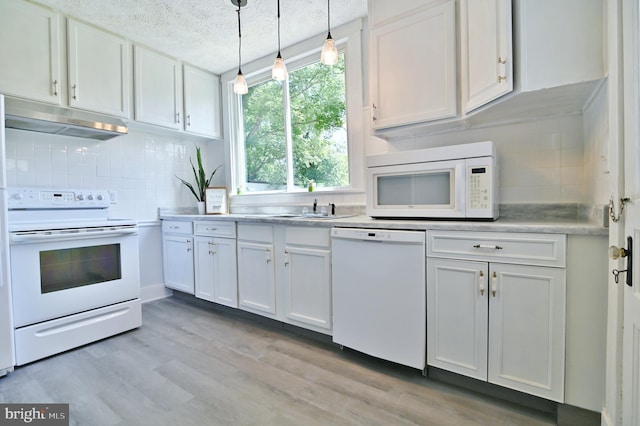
point(205, 32)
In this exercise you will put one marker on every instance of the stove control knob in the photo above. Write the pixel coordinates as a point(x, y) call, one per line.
point(99, 197)
point(89, 197)
point(80, 197)
point(17, 196)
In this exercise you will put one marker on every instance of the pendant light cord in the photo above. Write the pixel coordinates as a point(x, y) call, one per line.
point(278, 27)
point(239, 39)
point(329, 16)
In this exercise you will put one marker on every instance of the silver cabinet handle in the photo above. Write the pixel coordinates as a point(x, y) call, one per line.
point(487, 246)
point(75, 92)
point(188, 119)
point(55, 87)
point(502, 69)
point(494, 285)
point(481, 281)
point(374, 113)
point(177, 117)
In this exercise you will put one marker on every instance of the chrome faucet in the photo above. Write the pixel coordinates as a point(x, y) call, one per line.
point(315, 205)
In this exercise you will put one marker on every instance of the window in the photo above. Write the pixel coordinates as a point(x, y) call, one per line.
point(295, 131)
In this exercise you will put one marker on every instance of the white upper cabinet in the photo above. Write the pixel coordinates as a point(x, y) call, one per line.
point(413, 66)
point(201, 102)
point(158, 89)
point(487, 53)
point(30, 52)
point(559, 42)
point(99, 70)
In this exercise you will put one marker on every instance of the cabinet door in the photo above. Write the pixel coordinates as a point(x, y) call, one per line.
point(98, 70)
point(527, 329)
point(178, 263)
point(204, 268)
point(30, 51)
point(158, 89)
point(201, 102)
point(457, 311)
point(225, 276)
point(256, 278)
point(413, 68)
point(308, 286)
point(486, 59)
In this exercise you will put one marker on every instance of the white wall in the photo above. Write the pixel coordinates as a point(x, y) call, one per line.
point(140, 166)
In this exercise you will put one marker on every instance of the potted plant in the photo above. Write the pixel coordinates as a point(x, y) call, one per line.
point(201, 180)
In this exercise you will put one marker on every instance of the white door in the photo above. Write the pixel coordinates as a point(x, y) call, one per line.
point(457, 316)
point(527, 329)
point(157, 83)
point(256, 278)
point(203, 262)
point(201, 102)
point(98, 82)
point(30, 51)
point(308, 286)
point(225, 272)
point(630, 218)
point(178, 263)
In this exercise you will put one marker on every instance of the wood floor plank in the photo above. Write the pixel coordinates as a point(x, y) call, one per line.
point(190, 365)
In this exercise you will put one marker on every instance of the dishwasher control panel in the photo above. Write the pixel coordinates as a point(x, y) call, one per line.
point(378, 235)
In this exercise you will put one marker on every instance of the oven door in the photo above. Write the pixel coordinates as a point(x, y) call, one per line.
point(422, 190)
point(59, 274)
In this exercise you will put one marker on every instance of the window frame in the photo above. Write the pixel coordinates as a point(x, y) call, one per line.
point(349, 42)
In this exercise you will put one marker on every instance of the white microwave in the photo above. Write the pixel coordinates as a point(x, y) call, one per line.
point(451, 182)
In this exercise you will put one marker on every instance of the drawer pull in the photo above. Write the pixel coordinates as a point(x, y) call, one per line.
point(487, 246)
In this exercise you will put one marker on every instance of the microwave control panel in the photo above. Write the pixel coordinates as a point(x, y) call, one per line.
point(479, 187)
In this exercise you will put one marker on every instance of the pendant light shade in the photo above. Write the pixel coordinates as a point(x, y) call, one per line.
point(329, 54)
point(240, 84)
point(279, 70)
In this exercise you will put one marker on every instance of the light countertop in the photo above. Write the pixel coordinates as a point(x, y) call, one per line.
point(542, 225)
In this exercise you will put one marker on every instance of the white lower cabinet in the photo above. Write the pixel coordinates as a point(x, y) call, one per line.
point(215, 262)
point(256, 270)
point(307, 279)
point(284, 273)
point(496, 318)
point(177, 255)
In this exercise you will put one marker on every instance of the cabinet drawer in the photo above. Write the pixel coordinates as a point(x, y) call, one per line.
point(306, 236)
point(255, 232)
point(521, 248)
point(215, 228)
point(176, 227)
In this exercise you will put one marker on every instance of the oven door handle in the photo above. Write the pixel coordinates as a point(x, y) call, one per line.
point(66, 235)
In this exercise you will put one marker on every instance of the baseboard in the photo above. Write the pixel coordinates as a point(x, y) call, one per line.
point(149, 293)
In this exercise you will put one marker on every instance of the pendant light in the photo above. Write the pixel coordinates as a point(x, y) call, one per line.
point(240, 84)
point(329, 54)
point(279, 70)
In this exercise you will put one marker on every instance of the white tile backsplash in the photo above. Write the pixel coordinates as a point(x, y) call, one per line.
point(539, 161)
point(141, 167)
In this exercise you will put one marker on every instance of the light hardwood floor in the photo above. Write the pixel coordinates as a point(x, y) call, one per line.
point(192, 365)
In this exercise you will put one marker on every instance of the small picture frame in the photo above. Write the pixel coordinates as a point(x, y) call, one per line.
point(216, 200)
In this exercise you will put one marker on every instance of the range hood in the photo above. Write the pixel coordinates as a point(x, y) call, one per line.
point(37, 117)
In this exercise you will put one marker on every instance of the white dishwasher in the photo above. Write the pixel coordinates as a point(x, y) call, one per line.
point(379, 293)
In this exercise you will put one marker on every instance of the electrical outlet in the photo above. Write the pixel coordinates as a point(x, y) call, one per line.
point(113, 197)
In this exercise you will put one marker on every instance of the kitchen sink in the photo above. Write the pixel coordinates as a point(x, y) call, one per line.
point(297, 216)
